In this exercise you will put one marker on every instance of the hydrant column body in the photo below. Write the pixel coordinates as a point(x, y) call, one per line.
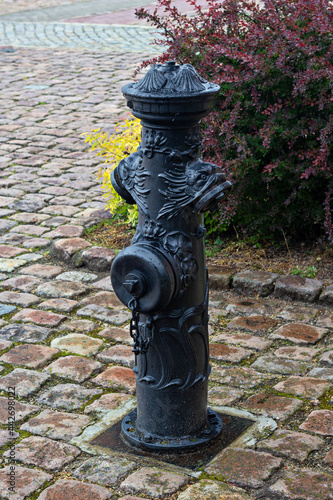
point(162, 276)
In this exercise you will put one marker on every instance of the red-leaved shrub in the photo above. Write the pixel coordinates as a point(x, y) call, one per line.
point(272, 128)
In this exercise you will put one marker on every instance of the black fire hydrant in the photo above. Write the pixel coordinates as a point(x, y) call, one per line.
point(162, 276)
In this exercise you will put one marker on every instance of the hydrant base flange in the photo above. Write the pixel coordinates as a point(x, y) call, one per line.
point(170, 445)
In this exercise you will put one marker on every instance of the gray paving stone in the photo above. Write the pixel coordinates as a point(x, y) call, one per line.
point(61, 289)
point(112, 316)
point(67, 396)
point(254, 282)
point(284, 366)
point(298, 288)
point(25, 381)
point(56, 425)
point(24, 333)
point(78, 344)
point(27, 482)
point(106, 471)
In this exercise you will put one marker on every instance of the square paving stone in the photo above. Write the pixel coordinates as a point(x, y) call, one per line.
point(32, 356)
point(67, 231)
point(77, 276)
point(6, 251)
point(258, 324)
point(295, 445)
point(153, 482)
point(299, 333)
point(24, 333)
point(30, 229)
point(73, 367)
point(222, 352)
point(104, 470)
point(105, 299)
point(271, 364)
point(304, 484)
point(25, 381)
point(9, 265)
point(323, 373)
point(56, 425)
point(244, 467)
point(23, 283)
point(278, 407)
point(42, 318)
point(65, 249)
point(298, 353)
point(319, 422)
point(22, 410)
point(64, 489)
point(106, 403)
point(42, 271)
point(61, 305)
point(251, 307)
point(27, 481)
point(19, 299)
point(81, 325)
point(114, 316)
point(117, 377)
point(223, 396)
point(37, 243)
point(45, 453)
point(298, 288)
point(298, 313)
point(116, 334)
point(78, 344)
point(61, 289)
point(206, 489)
point(256, 282)
point(240, 377)
point(306, 387)
point(118, 354)
point(67, 396)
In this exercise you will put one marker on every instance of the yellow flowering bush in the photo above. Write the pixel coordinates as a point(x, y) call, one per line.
point(114, 148)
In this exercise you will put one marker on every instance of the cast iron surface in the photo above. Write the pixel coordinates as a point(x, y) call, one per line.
point(162, 276)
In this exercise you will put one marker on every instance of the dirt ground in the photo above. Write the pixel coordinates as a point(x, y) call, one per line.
point(310, 261)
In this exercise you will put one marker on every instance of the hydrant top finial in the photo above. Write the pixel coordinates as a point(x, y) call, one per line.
point(171, 79)
point(171, 91)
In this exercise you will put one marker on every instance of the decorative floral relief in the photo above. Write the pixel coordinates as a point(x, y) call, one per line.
point(152, 143)
point(179, 245)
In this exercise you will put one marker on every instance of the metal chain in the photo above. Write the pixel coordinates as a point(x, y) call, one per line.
point(141, 341)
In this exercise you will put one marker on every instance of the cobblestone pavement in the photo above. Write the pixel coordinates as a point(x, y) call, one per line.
point(78, 36)
point(10, 6)
point(64, 342)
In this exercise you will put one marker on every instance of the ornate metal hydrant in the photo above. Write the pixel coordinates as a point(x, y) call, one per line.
point(162, 276)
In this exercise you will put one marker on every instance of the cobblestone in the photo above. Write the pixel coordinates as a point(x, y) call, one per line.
point(27, 481)
point(56, 425)
point(26, 382)
point(244, 467)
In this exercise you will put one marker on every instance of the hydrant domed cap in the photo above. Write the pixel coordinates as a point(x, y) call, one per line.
point(171, 91)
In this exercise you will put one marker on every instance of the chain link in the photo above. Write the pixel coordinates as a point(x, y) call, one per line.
point(142, 335)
